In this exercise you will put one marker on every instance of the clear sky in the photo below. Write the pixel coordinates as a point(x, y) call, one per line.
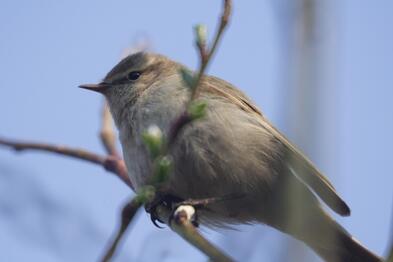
point(56, 209)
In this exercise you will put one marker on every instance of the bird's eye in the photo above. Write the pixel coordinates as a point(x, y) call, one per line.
point(134, 75)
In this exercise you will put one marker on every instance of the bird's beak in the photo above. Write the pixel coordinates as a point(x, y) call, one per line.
point(100, 88)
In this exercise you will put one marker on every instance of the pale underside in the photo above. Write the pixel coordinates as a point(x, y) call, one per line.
point(210, 160)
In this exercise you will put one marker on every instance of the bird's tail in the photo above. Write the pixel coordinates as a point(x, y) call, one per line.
point(295, 211)
point(327, 238)
point(337, 245)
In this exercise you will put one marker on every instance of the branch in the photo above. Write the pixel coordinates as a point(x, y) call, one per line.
point(206, 54)
point(109, 163)
point(127, 216)
point(180, 221)
point(107, 133)
point(205, 57)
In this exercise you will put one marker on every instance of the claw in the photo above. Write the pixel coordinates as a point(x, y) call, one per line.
point(154, 220)
point(166, 200)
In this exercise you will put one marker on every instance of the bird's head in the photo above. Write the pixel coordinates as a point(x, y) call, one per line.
point(133, 75)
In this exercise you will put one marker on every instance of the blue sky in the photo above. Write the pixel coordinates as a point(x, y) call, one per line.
point(56, 209)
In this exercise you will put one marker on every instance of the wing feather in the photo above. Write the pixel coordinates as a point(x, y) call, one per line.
point(299, 163)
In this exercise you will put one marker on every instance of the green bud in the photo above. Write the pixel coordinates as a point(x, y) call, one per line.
point(146, 194)
point(153, 139)
point(201, 34)
point(197, 109)
point(187, 77)
point(163, 168)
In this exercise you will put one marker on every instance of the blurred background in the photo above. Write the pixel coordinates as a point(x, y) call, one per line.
point(320, 70)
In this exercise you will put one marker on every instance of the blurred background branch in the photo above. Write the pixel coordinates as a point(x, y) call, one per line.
point(303, 40)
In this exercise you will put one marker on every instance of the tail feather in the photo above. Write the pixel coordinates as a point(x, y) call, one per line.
point(294, 210)
point(326, 237)
point(338, 245)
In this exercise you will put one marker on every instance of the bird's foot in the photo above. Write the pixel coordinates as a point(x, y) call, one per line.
point(166, 200)
point(173, 203)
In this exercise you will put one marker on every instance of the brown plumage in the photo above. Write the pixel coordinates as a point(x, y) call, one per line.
point(233, 150)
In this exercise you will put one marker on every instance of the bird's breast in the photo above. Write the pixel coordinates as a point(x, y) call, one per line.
point(156, 107)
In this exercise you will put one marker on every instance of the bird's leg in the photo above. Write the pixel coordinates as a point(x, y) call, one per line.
point(203, 203)
point(173, 203)
point(160, 199)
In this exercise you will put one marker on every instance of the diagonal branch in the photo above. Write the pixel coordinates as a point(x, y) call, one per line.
point(205, 55)
point(188, 232)
point(110, 163)
point(180, 221)
point(127, 216)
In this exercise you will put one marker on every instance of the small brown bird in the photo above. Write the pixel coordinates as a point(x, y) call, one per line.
point(233, 150)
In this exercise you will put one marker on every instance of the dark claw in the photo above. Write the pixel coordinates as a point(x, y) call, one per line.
point(151, 209)
point(154, 220)
point(166, 200)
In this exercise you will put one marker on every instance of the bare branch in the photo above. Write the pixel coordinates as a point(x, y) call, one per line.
point(127, 216)
point(180, 122)
point(205, 57)
point(117, 166)
point(107, 133)
point(58, 149)
point(110, 163)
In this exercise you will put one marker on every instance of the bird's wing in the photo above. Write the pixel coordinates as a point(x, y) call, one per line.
point(300, 164)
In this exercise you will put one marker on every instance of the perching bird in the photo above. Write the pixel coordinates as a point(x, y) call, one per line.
point(233, 150)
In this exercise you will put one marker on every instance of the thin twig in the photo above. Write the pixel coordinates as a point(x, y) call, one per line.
point(107, 133)
point(58, 149)
point(127, 216)
point(177, 125)
point(110, 163)
point(205, 57)
point(117, 166)
point(206, 54)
